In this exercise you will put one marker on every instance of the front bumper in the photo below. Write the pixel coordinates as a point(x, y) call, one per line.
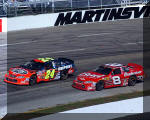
point(16, 81)
point(86, 87)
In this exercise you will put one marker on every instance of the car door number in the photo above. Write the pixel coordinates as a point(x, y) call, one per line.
point(116, 80)
point(50, 74)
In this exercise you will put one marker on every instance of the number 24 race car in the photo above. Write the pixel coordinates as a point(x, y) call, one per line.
point(40, 69)
point(109, 75)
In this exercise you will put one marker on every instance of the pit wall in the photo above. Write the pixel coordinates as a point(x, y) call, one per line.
point(77, 17)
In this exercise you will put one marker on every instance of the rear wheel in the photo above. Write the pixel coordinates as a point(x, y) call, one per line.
point(100, 85)
point(64, 76)
point(32, 80)
point(132, 81)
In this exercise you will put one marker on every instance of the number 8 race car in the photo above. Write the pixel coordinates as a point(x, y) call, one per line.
point(40, 69)
point(109, 75)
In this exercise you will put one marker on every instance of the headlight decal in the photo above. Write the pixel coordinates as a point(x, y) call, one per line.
point(88, 82)
point(20, 77)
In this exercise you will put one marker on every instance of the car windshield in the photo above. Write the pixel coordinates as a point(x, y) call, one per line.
point(103, 70)
point(33, 65)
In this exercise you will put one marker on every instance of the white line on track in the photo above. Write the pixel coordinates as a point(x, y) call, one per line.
point(62, 51)
point(17, 43)
point(88, 35)
point(141, 42)
point(133, 43)
point(80, 36)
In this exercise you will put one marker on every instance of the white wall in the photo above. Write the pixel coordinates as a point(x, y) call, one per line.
point(43, 20)
point(30, 22)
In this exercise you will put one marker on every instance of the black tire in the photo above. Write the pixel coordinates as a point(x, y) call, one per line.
point(64, 76)
point(132, 81)
point(99, 85)
point(32, 80)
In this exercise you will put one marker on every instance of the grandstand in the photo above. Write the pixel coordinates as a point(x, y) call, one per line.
point(29, 7)
point(2, 8)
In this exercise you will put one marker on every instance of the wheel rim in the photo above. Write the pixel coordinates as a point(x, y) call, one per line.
point(132, 81)
point(64, 76)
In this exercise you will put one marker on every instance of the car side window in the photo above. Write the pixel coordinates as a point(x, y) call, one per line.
point(125, 69)
point(48, 65)
point(57, 63)
point(63, 63)
point(117, 71)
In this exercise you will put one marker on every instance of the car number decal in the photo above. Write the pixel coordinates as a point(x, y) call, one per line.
point(116, 80)
point(50, 74)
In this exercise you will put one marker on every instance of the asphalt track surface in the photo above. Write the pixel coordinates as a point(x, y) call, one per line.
point(88, 44)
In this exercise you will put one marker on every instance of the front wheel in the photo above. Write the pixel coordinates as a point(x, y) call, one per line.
point(132, 81)
point(100, 85)
point(32, 80)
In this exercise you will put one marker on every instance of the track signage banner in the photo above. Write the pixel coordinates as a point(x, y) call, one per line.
point(75, 17)
point(100, 15)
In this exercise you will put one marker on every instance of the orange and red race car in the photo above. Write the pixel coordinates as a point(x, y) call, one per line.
point(109, 75)
point(40, 69)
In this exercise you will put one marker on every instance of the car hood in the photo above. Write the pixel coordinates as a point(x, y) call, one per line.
point(19, 71)
point(90, 76)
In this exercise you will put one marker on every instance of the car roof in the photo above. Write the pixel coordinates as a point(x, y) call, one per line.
point(44, 60)
point(114, 65)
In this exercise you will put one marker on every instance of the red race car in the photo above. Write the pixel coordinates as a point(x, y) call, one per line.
point(40, 69)
point(109, 75)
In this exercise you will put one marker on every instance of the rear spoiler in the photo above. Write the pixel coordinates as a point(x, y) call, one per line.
point(134, 65)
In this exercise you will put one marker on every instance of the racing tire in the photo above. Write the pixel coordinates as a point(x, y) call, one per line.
point(32, 80)
point(100, 86)
point(64, 76)
point(132, 81)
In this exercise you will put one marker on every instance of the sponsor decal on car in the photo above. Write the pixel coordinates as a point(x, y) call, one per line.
point(19, 71)
point(132, 73)
point(65, 67)
point(91, 75)
point(113, 64)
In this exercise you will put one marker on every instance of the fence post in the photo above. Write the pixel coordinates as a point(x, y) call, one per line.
point(3, 4)
point(16, 7)
point(71, 4)
point(53, 5)
point(101, 3)
point(89, 4)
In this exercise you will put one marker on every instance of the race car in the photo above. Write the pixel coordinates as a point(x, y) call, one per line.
point(108, 76)
point(40, 69)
